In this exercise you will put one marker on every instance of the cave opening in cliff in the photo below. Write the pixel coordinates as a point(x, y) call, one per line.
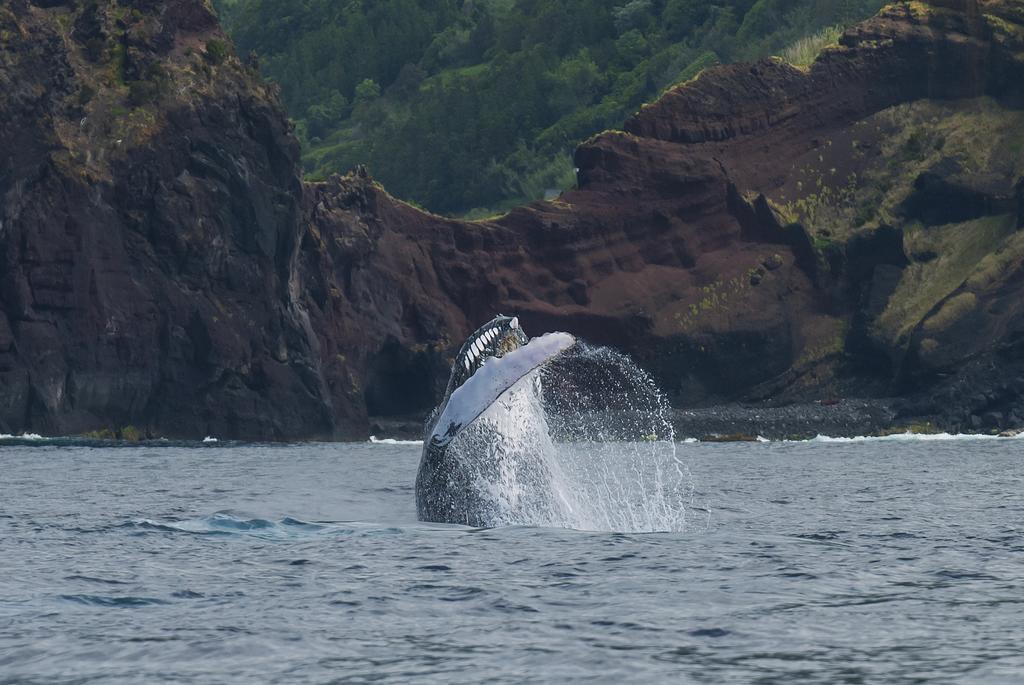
point(399, 382)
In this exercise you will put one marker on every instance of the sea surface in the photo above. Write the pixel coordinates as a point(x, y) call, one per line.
point(877, 561)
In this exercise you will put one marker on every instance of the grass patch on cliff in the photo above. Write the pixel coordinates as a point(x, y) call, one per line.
point(980, 136)
point(862, 179)
point(995, 264)
point(951, 311)
point(977, 135)
point(803, 52)
point(960, 249)
point(715, 302)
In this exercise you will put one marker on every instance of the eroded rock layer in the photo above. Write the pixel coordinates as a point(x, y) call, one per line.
point(763, 232)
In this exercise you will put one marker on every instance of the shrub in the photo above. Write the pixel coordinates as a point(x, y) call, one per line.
point(131, 434)
point(216, 50)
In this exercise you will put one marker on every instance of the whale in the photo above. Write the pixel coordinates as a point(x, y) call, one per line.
point(494, 361)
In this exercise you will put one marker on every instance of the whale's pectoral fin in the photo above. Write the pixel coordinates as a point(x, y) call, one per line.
point(491, 381)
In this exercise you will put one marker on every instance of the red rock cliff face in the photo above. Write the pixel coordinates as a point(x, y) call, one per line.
point(164, 267)
point(675, 246)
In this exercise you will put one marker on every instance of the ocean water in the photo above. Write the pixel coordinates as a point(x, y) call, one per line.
point(897, 561)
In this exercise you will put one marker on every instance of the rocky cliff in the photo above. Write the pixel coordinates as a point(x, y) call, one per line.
point(761, 233)
point(149, 230)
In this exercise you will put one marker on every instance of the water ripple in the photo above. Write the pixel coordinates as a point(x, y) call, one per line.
point(305, 564)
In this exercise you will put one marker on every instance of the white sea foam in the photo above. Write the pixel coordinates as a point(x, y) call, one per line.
point(24, 436)
point(392, 441)
point(916, 437)
point(209, 439)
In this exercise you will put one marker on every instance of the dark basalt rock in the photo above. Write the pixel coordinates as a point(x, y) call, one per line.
point(146, 250)
point(947, 194)
point(162, 264)
point(846, 418)
point(1020, 203)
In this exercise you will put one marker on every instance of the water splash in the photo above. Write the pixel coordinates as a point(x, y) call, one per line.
point(584, 442)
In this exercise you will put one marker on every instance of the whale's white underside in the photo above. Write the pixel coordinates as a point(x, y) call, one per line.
point(491, 380)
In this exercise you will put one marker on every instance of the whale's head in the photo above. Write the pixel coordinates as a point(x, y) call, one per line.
point(496, 338)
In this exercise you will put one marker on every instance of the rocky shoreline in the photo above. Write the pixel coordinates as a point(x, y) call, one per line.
point(850, 418)
point(846, 418)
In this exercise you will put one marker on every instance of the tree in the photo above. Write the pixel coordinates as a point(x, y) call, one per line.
point(367, 91)
point(635, 14)
point(322, 117)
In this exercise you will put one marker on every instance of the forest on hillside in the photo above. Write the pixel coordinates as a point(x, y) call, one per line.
point(469, 107)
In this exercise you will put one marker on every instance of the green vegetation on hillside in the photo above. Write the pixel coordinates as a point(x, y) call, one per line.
point(470, 106)
point(804, 51)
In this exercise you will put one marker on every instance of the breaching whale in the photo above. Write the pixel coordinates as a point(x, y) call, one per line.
point(491, 361)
